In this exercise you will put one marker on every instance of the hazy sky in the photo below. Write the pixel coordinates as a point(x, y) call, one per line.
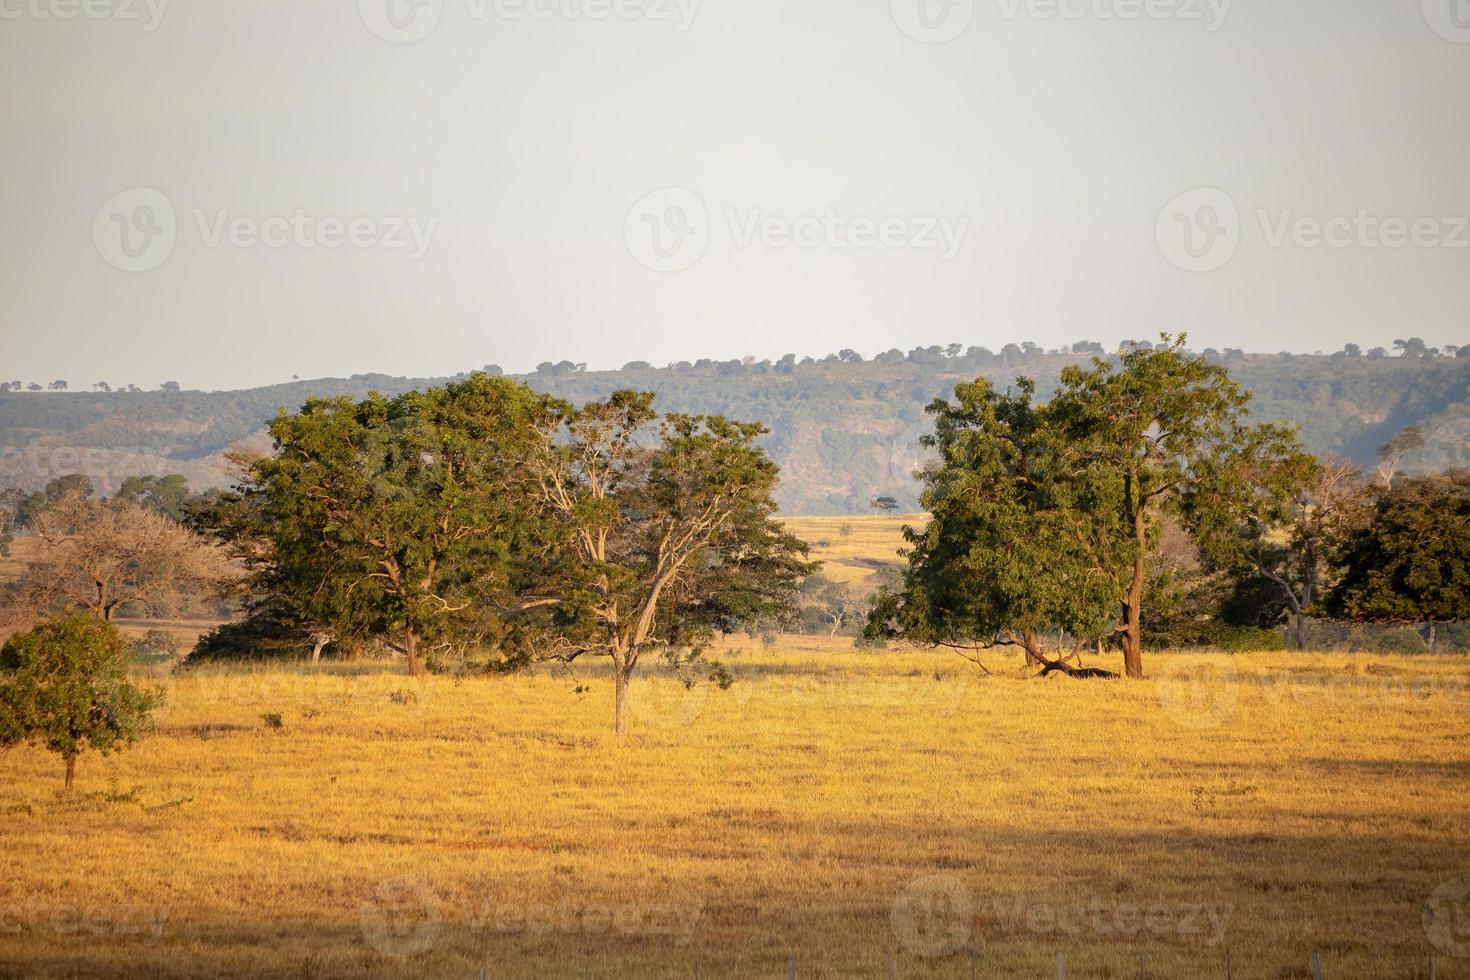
point(1017, 181)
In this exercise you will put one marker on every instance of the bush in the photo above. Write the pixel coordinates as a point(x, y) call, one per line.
point(155, 646)
point(1247, 639)
point(265, 635)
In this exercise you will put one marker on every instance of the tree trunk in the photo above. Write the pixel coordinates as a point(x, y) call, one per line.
point(316, 651)
point(1032, 645)
point(415, 662)
point(1133, 605)
point(71, 768)
point(1301, 630)
point(620, 699)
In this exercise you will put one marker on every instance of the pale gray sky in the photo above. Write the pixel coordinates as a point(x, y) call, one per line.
point(516, 147)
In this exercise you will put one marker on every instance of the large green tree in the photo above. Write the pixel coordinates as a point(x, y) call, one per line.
point(401, 518)
point(64, 685)
point(665, 532)
point(1409, 562)
point(1044, 513)
point(1158, 431)
point(1010, 553)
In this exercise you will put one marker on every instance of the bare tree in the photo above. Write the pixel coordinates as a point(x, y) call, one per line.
point(1391, 454)
point(104, 555)
point(1296, 557)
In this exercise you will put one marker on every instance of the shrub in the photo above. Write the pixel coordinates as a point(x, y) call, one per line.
point(1247, 639)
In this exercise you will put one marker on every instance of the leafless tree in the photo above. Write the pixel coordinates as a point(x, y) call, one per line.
point(106, 555)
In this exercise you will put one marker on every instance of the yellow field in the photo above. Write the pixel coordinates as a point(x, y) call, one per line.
point(869, 542)
point(859, 811)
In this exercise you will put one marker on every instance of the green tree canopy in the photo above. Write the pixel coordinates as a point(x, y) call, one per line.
point(1044, 513)
point(1009, 552)
point(1160, 430)
point(401, 518)
point(1410, 561)
point(165, 494)
point(64, 685)
point(666, 533)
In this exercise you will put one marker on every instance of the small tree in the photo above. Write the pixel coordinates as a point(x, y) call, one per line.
point(1391, 454)
point(64, 685)
point(1409, 562)
point(886, 504)
point(165, 494)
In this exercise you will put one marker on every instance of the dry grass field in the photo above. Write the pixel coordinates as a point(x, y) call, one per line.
point(852, 549)
point(872, 814)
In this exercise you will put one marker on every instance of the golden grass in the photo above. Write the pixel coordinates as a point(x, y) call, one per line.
point(854, 809)
point(870, 542)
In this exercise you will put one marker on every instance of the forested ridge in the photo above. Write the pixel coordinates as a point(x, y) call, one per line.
point(844, 430)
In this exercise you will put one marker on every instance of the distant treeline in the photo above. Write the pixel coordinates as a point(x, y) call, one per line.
point(844, 428)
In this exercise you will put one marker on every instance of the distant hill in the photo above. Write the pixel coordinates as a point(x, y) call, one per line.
point(843, 430)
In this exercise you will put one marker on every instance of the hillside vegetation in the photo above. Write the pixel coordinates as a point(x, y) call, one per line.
point(842, 430)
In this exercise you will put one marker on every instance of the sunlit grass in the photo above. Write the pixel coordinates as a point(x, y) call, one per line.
point(852, 809)
point(852, 549)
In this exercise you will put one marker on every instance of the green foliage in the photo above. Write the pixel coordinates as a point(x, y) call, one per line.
point(64, 685)
point(1246, 639)
point(664, 533)
point(269, 632)
point(166, 494)
point(1164, 432)
point(1044, 514)
point(1010, 552)
point(1410, 561)
point(401, 519)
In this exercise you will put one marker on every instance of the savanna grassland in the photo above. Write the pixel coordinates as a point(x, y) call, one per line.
point(861, 811)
